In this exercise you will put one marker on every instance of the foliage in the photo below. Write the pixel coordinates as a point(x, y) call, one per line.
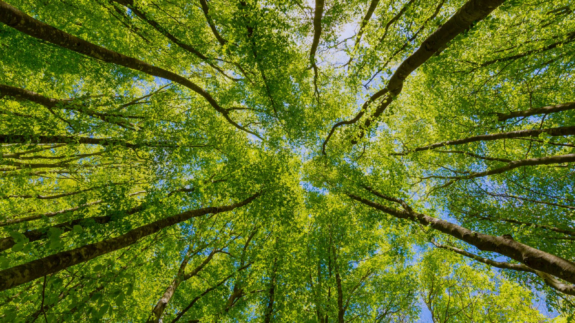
point(323, 161)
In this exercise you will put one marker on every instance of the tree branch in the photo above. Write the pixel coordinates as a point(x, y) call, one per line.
point(206, 9)
point(470, 13)
point(554, 132)
point(534, 258)
point(548, 279)
point(15, 276)
point(22, 22)
point(512, 165)
point(138, 12)
point(531, 112)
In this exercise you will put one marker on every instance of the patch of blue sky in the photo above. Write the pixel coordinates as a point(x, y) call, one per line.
point(311, 188)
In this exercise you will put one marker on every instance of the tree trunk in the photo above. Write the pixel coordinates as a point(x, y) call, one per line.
point(534, 258)
point(15, 276)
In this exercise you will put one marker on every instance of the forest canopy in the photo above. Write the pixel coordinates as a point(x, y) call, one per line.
point(287, 161)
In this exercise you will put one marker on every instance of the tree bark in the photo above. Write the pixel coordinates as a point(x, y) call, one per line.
point(55, 213)
point(471, 12)
point(50, 103)
point(548, 279)
point(22, 22)
point(529, 224)
point(181, 276)
point(206, 292)
point(57, 196)
point(516, 164)
point(39, 234)
point(534, 258)
point(15, 276)
point(21, 139)
point(532, 112)
point(340, 307)
point(206, 10)
point(554, 132)
point(269, 313)
point(318, 14)
point(372, 6)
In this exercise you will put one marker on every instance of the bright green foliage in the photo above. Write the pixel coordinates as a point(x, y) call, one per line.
point(331, 153)
point(456, 292)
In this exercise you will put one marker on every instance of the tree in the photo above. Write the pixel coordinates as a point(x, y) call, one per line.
point(327, 161)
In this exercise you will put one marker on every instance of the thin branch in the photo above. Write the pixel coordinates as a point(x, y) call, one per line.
point(554, 132)
point(471, 12)
point(15, 276)
point(22, 22)
point(544, 110)
point(504, 245)
point(510, 166)
point(548, 279)
point(206, 10)
point(138, 12)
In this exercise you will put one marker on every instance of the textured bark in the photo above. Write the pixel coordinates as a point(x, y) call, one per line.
point(534, 258)
point(15, 276)
point(471, 12)
point(556, 283)
point(554, 132)
point(22, 22)
point(181, 276)
point(318, 14)
point(532, 112)
point(548, 279)
point(340, 307)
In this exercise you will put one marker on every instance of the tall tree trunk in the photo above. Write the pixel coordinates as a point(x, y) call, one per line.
point(471, 12)
point(271, 294)
point(181, 276)
point(15, 276)
point(534, 258)
point(22, 22)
